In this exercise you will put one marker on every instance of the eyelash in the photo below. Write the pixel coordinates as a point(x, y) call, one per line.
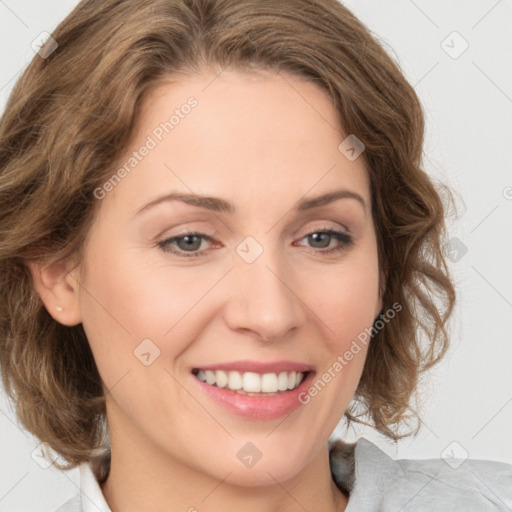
point(345, 239)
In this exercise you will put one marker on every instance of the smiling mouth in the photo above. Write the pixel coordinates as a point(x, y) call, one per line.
point(251, 383)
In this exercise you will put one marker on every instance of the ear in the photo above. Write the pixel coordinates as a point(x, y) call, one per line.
point(59, 290)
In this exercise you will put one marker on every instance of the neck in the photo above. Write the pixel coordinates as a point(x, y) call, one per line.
point(141, 479)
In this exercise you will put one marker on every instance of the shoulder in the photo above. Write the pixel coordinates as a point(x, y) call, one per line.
point(475, 484)
point(378, 482)
point(90, 498)
point(72, 505)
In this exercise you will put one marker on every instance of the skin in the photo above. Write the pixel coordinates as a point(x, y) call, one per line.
point(262, 141)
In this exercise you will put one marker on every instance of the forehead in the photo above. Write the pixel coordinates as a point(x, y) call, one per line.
point(253, 135)
point(263, 103)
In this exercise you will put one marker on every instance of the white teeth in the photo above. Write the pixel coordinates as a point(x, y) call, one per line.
point(291, 380)
point(269, 383)
point(210, 377)
point(282, 381)
point(251, 382)
point(234, 381)
point(221, 378)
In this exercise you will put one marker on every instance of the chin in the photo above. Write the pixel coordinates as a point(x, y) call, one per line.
point(261, 475)
point(279, 465)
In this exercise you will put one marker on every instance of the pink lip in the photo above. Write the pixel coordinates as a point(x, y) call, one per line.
point(259, 367)
point(257, 407)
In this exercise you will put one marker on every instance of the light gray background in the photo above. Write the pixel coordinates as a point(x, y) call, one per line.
point(468, 397)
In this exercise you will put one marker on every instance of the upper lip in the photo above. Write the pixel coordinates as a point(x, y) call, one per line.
point(258, 366)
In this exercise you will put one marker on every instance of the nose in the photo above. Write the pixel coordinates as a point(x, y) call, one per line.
point(264, 298)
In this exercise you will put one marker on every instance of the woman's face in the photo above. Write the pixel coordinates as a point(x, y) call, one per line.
point(254, 294)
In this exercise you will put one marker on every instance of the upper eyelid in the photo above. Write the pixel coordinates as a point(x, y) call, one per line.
point(319, 224)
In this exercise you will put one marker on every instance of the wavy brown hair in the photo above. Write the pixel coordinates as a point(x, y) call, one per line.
point(71, 116)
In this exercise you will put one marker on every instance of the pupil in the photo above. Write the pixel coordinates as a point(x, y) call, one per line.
point(190, 241)
point(316, 236)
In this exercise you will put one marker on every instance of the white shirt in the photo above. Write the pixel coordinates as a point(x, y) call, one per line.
point(378, 483)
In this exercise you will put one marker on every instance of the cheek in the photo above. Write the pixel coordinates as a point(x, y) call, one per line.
point(126, 301)
point(346, 299)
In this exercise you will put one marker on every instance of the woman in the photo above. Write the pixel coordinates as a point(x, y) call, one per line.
point(216, 235)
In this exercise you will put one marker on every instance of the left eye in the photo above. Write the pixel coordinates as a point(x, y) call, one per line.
point(186, 243)
point(191, 242)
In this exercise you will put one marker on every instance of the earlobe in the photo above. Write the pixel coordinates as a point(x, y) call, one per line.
point(59, 291)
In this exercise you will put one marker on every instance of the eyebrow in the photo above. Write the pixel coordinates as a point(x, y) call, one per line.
point(216, 204)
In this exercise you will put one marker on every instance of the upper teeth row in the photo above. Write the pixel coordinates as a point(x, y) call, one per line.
point(250, 381)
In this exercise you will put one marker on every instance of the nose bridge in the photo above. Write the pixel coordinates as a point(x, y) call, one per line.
point(262, 297)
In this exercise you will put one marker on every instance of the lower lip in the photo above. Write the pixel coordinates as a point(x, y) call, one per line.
point(257, 407)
